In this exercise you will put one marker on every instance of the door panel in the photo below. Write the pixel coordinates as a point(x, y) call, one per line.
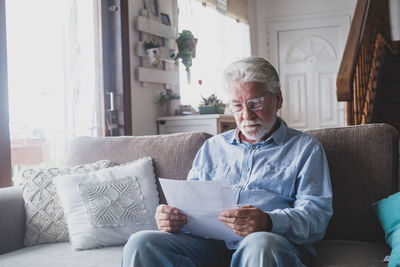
point(313, 54)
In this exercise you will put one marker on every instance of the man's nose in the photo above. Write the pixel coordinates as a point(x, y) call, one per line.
point(247, 113)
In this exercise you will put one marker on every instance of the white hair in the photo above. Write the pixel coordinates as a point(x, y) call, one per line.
point(252, 69)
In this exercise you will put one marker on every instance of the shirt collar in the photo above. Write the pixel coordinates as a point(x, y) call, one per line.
point(278, 136)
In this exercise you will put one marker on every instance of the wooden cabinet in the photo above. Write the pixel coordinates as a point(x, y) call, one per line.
point(213, 124)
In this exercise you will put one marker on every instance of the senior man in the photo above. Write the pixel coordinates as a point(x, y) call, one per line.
point(280, 180)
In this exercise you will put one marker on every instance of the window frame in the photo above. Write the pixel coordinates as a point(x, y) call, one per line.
point(5, 149)
point(116, 67)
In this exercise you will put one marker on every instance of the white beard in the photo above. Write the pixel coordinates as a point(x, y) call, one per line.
point(258, 131)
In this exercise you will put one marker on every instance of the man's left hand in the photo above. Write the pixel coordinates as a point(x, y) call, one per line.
point(246, 220)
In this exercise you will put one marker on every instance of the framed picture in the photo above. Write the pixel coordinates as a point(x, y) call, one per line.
point(153, 6)
point(165, 19)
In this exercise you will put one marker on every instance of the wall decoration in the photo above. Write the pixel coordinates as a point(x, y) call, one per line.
point(153, 6)
point(153, 52)
point(186, 49)
point(165, 19)
point(157, 51)
point(154, 34)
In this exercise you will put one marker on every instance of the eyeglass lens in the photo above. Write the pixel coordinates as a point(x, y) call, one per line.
point(253, 104)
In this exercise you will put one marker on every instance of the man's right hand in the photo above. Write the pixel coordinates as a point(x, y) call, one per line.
point(169, 219)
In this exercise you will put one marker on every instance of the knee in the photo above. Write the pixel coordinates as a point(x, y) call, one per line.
point(137, 239)
point(138, 250)
point(264, 242)
point(265, 249)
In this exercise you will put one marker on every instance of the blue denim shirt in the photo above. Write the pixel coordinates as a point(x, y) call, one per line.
point(286, 176)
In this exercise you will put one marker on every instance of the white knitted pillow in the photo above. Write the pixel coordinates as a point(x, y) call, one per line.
point(104, 208)
point(45, 221)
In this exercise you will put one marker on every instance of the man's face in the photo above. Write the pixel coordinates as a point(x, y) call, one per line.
point(255, 125)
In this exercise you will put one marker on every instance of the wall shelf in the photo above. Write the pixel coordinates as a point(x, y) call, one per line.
point(149, 75)
point(165, 72)
point(153, 27)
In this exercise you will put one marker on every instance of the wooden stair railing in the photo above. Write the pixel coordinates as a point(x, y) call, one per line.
point(381, 51)
point(370, 18)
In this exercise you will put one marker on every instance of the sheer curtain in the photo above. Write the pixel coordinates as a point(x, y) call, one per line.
point(221, 40)
point(53, 76)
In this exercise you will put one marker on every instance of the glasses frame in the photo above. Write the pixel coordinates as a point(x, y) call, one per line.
point(261, 99)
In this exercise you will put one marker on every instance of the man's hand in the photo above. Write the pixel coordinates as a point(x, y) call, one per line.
point(169, 219)
point(246, 220)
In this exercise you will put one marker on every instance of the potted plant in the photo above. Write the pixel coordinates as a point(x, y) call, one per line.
point(169, 102)
point(186, 43)
point(153, 52)
point(211, 105)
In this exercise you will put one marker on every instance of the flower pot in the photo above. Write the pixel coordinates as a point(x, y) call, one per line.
point(212, 110)
point(171, 108)
point(154, 56)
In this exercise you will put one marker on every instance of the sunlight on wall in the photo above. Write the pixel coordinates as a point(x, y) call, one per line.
point(221, 40)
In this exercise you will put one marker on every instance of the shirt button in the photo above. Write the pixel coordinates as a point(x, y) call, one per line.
point(246, 169)
point(214, 166)
point(239, 186)
point(253, 147)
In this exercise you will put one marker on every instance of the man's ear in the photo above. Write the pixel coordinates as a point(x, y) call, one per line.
point(279, 100)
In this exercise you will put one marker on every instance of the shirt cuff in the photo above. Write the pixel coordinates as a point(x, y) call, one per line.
point(280, 222)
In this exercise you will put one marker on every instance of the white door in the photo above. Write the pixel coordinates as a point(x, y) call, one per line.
point(308, 61)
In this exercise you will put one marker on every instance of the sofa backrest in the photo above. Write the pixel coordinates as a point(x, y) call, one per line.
point(364, 167)
point(172, 154)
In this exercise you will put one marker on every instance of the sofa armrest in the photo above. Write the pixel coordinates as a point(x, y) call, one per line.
point(12, 219)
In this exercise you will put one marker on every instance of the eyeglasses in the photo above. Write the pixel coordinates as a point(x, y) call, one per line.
point(254, 104)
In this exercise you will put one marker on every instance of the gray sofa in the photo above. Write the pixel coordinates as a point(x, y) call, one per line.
point(364, 167)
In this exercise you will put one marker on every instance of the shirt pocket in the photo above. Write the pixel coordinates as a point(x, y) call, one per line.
point(215, 172)
point(278, 179)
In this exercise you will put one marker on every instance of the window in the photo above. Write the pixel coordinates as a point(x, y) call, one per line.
point(54, 82)
point(221, 40)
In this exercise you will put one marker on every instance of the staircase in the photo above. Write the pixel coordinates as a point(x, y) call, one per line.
point(368, 80)
point(388, 109)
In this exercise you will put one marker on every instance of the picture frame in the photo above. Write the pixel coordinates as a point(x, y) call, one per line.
point(153, 6)
point(165, 19)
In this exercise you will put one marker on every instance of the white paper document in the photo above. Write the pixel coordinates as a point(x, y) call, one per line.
point(202, 202)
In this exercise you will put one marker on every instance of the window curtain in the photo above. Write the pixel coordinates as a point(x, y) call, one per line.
point(236, 9)
point(54, 78)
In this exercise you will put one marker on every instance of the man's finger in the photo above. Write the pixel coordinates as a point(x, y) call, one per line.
point(234, 220)
point(240, 212)
point(169, 216)
point(167, 223)
point(167, 209)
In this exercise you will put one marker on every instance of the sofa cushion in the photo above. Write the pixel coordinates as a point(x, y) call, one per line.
point(61, 255)
point(44, 215)
point(349, 254)
point(104, 208)
point(364, 167)
point(388, 212)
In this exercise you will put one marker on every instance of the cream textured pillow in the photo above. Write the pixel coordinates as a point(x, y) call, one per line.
point(104, 208)
point(44, 215)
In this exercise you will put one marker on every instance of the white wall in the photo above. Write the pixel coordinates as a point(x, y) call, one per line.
point(262, 11)
point(144, 107)
point(395, 18)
